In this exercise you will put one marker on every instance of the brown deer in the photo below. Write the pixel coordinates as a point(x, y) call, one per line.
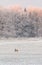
point(16, 50)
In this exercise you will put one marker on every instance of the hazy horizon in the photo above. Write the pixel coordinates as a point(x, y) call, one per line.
point(22, 3)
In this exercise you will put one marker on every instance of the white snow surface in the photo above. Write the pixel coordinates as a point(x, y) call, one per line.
point(29, 51)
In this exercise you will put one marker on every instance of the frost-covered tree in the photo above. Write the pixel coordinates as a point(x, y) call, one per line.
point(20, 24)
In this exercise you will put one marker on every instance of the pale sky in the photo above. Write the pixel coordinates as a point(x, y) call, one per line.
point(23, 3)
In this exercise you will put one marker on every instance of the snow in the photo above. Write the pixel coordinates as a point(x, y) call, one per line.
point(29, 52)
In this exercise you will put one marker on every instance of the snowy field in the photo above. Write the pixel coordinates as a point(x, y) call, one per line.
point(21, 52)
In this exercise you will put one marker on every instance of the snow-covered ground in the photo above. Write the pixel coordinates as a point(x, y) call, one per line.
point(21, 52)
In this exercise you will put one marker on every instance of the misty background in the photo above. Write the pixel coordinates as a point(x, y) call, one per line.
point(18, 22)
point(23, 3)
